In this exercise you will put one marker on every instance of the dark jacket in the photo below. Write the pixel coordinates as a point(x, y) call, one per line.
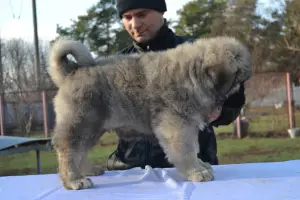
point(144, 152)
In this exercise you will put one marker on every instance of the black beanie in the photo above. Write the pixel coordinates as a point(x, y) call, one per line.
point(125, 5)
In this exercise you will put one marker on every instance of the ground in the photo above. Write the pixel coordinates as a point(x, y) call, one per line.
point(230, 151)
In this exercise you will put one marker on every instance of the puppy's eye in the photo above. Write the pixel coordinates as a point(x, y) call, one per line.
point(237, 57)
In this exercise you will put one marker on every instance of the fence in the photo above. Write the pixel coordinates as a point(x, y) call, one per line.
point(272, 105)
point(26, 113)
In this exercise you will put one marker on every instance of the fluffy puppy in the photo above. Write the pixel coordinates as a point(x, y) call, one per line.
point(169, 94)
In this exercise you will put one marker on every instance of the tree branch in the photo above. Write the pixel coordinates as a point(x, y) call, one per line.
point(289, 47)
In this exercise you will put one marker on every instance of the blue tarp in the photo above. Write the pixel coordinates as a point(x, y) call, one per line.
point(11, 141)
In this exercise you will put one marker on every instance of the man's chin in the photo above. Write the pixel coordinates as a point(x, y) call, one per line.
point(141, 39)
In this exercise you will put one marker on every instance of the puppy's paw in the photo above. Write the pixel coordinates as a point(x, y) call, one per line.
point(80, 184)
point(207, 166)
point(94, 171)
point(201, 176)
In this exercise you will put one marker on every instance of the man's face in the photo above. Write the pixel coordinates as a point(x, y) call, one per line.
point(142, 24)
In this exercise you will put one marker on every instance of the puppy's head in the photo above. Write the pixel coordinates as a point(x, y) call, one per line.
point(225, 63)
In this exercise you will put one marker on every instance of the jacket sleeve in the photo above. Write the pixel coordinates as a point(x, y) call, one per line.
point(231, 108)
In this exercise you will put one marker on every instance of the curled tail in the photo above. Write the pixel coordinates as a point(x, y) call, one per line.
point(60, 66)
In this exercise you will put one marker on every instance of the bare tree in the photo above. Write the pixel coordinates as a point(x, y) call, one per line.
point(20, 82)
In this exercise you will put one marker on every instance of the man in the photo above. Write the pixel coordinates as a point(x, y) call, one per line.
point(146, 25)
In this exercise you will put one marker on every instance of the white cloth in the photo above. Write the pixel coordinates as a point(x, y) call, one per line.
point(249, 181)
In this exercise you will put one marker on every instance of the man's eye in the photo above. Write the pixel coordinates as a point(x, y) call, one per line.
point(127, 17)
point(141, 15)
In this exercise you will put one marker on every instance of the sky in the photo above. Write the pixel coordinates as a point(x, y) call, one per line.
point(16, 16)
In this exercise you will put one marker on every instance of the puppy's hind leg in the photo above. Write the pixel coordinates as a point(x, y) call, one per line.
point(72, 141)
point(179, 140)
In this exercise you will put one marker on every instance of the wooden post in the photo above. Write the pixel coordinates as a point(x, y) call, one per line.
point(45, 113)
point(2, 105)
point(36, 45)
point(238, 127)
point(2, 114)
point(290, 99)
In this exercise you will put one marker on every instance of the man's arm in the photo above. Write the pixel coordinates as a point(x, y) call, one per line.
point(231, 108)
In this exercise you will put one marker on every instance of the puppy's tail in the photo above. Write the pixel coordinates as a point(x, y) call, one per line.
point(60, 66)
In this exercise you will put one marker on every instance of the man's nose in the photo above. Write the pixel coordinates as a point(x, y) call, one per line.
point(136, 23)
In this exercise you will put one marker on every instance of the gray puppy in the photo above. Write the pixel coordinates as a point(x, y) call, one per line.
point(169, 94)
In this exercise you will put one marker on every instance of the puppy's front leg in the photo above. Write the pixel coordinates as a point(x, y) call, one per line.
point(179, 140)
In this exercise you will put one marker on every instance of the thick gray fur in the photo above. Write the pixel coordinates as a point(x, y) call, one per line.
point(168, 94)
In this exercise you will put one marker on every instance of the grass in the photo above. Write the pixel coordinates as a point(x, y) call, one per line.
point(264, 120)
point(230, 151)
point(248, 150)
